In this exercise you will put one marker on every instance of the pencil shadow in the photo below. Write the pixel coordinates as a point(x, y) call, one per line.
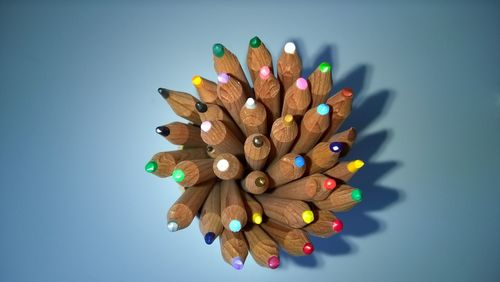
point(367, 109)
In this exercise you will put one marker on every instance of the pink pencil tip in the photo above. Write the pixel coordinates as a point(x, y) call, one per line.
point(264, 72)
point(205, 126)
point(301, 83)
point(223, 77)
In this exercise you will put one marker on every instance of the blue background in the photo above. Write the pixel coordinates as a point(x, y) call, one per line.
point(79, 106)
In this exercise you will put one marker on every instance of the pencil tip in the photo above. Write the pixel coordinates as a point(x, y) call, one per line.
point(201, 107)
point(235, 225)
point(299, 161)
point(337, 225)
point(308, 248)
point(257, 218)
point(209, 238)
point(223, 78)
point(308, 216)
point(301, 83)
point(264, 72)
point(273, 262)
point(172, 226)
point(218, 50)
point(323, 109)
point(258, 141)
point(347, 92)
point(205, 126)
point(336, 147)
point(250, 104)
point(178, 175)
point(163, 130)
point(255, 42)
point(260, 181)
point(329, 184)
point(325, 67)
point(196, 80)
point(151, 167)
point(289, 48)
point(356, 195)
point(164, 92)
point(237, 263)
point(355, 165)
point(288, 120)
point(222, 165)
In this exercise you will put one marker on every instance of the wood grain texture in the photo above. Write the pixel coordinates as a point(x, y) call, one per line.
point(254, 209)
point(258, 57)
point(267, 92)
point(254, 120)
point(340, 200)
point(255, 182)
point(286, 211)
point(222, 139)
point(167, 161)
point(312, 127)
point(257, 148)
point(283, 135)
point(230, 64)
point(342, 171)
point(323, 224)
point(289, 69)
point(320, 158)
point(210, 220)
point(341, 106)
point(196, 171)
point(183, 104)
point(232, 204)
point(291, 240)
point(232, 97)
point(235, 169)
point(321, 84)
point(207, 90)
point(347, 138)
point(262, 246)
point(308, 188)
point(296, 102)
point(188, 204)
point(284, 170)
point(215, 112)
point(184, 134)
point(233, 245)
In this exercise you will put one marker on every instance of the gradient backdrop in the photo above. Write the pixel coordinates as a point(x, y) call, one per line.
point(78, 109)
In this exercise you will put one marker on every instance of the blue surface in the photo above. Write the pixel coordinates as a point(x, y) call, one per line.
point(79, 106)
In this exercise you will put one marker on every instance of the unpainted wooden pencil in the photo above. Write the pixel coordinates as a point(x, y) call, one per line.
point(256, 182)
point(234, 248)
point(293, 213)
point(289, 66)
point(210, 222)
point(191, 172)
point(233, 211)
point(182, 104)
point(263, 249)
point(226, 166)
point(163, 163)
point(257, 148)
point(293, 241)
point(341, 199)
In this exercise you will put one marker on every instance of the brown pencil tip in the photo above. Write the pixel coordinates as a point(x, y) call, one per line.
point(258, 141)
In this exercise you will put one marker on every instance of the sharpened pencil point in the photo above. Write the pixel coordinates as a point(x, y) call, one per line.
point(209, 238)
point(235, 225)
point(222, 165)
point(347, 92)
point(250, 104)
point(255, 42)
point(218, 50)
point(260, 181)
point(323, 109)
point(356, 195)
point(264, 72)
point(163, 130)
point(355, 165)
point(336, 147)
point(258, 141)
point(329, 184)
point(151, 167)
point(257, 218)
point(201, 107)
point(301, 83)
point(196, 80)
point(308, 216)
point(299, 161)
point(289, 48)
point(172, 226)
point(210, 149)
point(164, 92)
point(178, 175)
point(308, 248)
point(325, 67)
point(237, 263)
point(206, 126)
point(223, 78)
point(273, 262)
point(288, 120)
point(337, 225)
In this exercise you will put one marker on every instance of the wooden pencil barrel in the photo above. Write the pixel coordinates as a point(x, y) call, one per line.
point(262, 247)
point(257, 148)
point(226, 166)
point(218, 135)
point(234, 248)
point(210, 221)
point(164, 162)
point(325, 224)
point(256, 182)
point(286, 169)
point(253, 117)
point(191, 172)
point(310, 188)
point(293, 213)
point(293, 241)
point(233, 212)
point(341, 199)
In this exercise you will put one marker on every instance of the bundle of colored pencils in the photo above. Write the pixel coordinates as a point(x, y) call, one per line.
point(261, 166)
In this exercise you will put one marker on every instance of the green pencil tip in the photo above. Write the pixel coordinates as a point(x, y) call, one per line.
point(255, 42)
point(356, 195)
point(218, 50)
point(178, 175)
point(151, 167)
point(325, 67)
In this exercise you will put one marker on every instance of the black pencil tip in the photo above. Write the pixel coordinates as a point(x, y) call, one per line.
point(163, 92)
point(163, 130)
point(201, 107)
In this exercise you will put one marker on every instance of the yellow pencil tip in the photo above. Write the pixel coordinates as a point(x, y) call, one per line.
point(308, 216)
point(288, 119)
point(257, 218)
point(355, 165)
point(196, 80)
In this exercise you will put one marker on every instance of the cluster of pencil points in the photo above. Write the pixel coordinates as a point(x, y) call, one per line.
point(261, 166)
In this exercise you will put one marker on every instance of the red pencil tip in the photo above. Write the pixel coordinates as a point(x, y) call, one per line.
point(347, 92)
point(329, 184)
point(337, 225)
point(308, 248)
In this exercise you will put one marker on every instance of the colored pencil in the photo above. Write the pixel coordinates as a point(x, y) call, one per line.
point(254, 209)
point(323, 156)
point(341, 199)
point(257, 57)
point(257, 148)
point(341, 104)
point(346, 138)
point(210, 222)
point(182, 104)
point(182, 212)
point(179, 133)
point(310, 188)
point(216, 134)
point(233, 212)
point(345, 170)
point(297, 99)
point(234, 248)
point(256, 182)
point(288, 168)
point(313, 125)
point(253, 117)
point(293, 213)
point(267, 91)
point(321, 83)
point(211, 112)
point(191, 172)
point(206, 89)
point(289, 66)
point(263, 249)
point(325, 224)
point(226, 166)
point(294, 241)
point(283, 134)
point(162, 164)
point(230, 92)
point(226, 62)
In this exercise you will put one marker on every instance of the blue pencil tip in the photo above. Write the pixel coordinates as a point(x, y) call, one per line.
point(209, 238)
point(299, 161)
point(336, 147)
